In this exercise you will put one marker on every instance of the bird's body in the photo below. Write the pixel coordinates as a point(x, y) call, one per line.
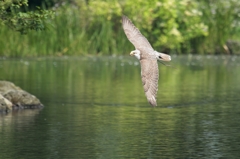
point(148, 59)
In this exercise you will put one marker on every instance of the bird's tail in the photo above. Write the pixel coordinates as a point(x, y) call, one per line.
point(162, 56)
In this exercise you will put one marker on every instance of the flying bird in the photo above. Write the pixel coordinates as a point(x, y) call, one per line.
point(147, 56)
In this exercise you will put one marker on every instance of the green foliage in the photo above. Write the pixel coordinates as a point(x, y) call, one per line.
point(94, 27)
point(14, 18)
point(222, 18)
point(103, 26)
point(170, 24)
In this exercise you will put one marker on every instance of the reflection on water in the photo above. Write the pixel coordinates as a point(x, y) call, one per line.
point(96, 108)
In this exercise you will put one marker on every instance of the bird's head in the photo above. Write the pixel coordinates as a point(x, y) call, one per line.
point(135, 53)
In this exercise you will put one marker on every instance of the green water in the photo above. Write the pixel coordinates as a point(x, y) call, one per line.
point(96, 108)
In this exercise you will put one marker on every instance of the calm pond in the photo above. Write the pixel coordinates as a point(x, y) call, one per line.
point(95, 107)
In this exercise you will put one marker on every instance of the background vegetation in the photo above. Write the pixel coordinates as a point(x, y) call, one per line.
point(94, 27)
point(13, 16)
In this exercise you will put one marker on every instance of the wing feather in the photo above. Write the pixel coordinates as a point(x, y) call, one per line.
point(134, 35)
point(149, 74)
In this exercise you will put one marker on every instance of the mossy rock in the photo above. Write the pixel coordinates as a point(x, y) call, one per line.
point(13, 97)
point(5, 104)
point(22, 99)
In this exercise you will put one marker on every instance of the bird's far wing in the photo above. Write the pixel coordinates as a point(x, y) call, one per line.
point(134, 35)
point(149, 74)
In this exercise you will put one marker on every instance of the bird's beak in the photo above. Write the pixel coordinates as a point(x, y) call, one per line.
point(131, 53)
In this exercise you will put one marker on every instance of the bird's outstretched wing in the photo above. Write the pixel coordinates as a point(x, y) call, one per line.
point(149, 73)
point(134, 35)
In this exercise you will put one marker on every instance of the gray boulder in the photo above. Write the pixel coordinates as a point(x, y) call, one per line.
point(13, 97)
point(5, 86)
point(5, 105)
point(22, 99)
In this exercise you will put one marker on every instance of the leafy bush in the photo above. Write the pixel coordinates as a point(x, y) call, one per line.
point(14, 18)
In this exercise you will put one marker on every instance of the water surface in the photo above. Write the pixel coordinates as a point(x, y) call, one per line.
point(95, 108)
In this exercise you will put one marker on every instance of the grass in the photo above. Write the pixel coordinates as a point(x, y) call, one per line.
point(69, 34)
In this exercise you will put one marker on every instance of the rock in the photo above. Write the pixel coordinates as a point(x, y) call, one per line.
point(22, 99)
point(5, 86)
point(5, 104)
point(13, 97)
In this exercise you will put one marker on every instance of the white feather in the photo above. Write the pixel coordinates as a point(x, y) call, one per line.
point(136, 53)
